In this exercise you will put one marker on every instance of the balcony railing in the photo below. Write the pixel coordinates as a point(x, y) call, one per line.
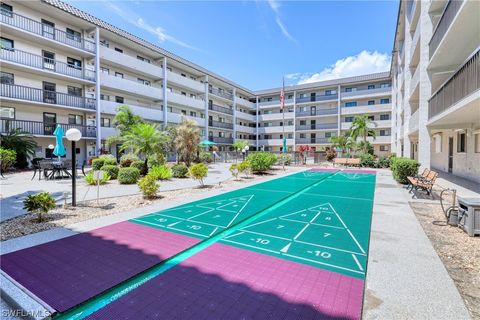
point(39, 62)
point(218, 124)
point(366, 91)
point(317, 98)
point(43, 128)
point(46, 31)
point(313, 141)
point(448, 15)
point(214, 107)
point(221, 140)
point(463, 82)
point(51, 97)
point(317, 112)
point(318, 126)
point(220, 93)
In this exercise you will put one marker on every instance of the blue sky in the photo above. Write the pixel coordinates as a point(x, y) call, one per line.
point(255, 43)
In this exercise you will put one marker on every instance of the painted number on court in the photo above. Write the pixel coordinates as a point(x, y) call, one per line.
point(261, 241)
point(195, 227)
point(321, 254)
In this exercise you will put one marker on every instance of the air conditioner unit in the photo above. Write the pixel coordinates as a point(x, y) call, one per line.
point(470, 220)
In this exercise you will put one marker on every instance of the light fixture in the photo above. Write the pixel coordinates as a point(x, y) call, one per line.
point(74, 135)
point(51, 146)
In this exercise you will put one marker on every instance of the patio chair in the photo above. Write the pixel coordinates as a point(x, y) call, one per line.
point(45, 167)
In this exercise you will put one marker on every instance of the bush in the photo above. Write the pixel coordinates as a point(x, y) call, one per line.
point(234, 170)
point(403, 168)
point(39, 203)
point(198, 171)
point(284, 159)
point(98, 163)
point(90, 179)
point(383, 162)
point(8, 158)
point(149, 186)
point(127, 159)
point(138, 164)
point(112, 170)
point(330, 154)
point(156, 160)
point(128, 175)
point(367, 160)
point(245, 167)
point(180, 170)
point(101, 161)
point(206, 157)
point(261, 161)
point(160, 172)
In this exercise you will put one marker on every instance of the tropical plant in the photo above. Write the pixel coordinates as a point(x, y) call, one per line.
point(179, 170)
point(261, 161)
point(111, 170)
point(160, 172)
point(127, 159)
point(245, 167)
point(7, 159)
point(149, 186)
point(366, 147)
point(367, 160)
point(383, 162)
point(234, 170)
point(157, 159)
point(344, 142)
point(187, 141)
point(123, 121)
point(206, 157)
point(108, 159)
point(90, 179)
point(21, 142)
point(128, 175)
point(98, 163)
point(302, 152)
point(362, 127)
point(39, 204)
point(139, 164)
point(198, 172)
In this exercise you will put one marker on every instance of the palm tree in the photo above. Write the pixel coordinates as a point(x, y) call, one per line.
point(123, 121)
point(145, 139)
point(344, 142)
point(20, 141)
point(187, 140)
point(362, 127)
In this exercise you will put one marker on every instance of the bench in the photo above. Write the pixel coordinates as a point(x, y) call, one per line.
point(425, 181)
point(346, 161)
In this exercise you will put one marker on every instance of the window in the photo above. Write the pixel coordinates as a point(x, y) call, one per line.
point(143, 81)
point(437, 140)
point(353, 89)
point(384, 117)
point(193, 96)
point(118, 50)
point(302, 135)
point(384, 101)
point(183, 93)
point(118, 74)
point(477, 142)
point(183, 75)
point(193, 114)
point(73, 35)
point(7, 10)
point(184, 112)
point(371, 86)
point(6, 78)
point(119, 99)
point(104, 97)
point(143, 59)
point(289, 136)
point(371, 118)
point(461, 142)
point(105, 122)
point(104, 70)
point(383, 148)
point(169, 109)
point(6, 43)
point(371, 102)
point(385, 85)
point(348, 119)
point(74, 91)
point(7, 113)
point(290, 96)
point(74, 63)
point(351, 104)
point(290, 123)
point(328, 92)
point(328, 134)
point(384, 133)
point(303, 122)
point(75, 119)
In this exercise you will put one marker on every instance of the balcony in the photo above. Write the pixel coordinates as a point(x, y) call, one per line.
point(245, 103)
point(153, 112)
point(221, 140)
point(414, 84)
point(318, 126)
point(415, 48)
point(413, 123)
point(131, 87)
point(37, 128)
point(378, 124)
point(13, 20)
point(221, 93)
point(131, 63)
point(464, 82)
point(276, 116)
point(246, 116)
point(367, 92)
point(182, 81)
point(386, 107)
point(274, 142)
point(16, 92)
point(177, 118)
point(317, 98)
point(313, 141)
point(220, 109)
point(317, 112)
point(448, 15)
point(380, 139)
point(274, 102)
point(275, 129)
point(251, 130)
point(45, 64)
point(183, 100)
point(219, 124)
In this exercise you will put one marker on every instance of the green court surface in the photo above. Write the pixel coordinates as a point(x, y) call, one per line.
point(206, 218)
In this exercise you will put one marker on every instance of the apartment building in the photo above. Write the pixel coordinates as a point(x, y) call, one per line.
point(62, 66)
point(435, 85)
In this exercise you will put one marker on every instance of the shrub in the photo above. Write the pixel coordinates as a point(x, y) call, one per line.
point(206, 157)
point(404, 167)
point(383, 162)
point(156, 160)
point(7, 158)
point(330, 154)
point(261, 161)
point(112, 170)
point(90, 179)
point(138, 164)
point(180, 170)
point(149, 186)
point(234, 170)
point(391, 159)
point(39, 203)
point(128, 175)
point(103, 160)
point(284, 159)
point(127, 159)
point(367, 160)
point(198, 172)
point(160, 172)
point(245, 167)
point(98, 163)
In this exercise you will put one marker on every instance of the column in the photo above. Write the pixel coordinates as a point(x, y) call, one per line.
point(339, 111)
point(206, 107)
point(98, 114)
point(165, 93)
point(234, 114)
point(294, 121)
point(257, 118)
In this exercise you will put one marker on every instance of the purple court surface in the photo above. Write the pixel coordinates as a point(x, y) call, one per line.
point(224, 282)
point(68, 271)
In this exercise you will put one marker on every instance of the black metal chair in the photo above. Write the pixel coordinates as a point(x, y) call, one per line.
point(46, 167)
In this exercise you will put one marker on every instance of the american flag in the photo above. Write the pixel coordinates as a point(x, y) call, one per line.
point(282, 96)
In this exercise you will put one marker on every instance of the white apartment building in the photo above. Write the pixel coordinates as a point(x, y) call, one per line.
point(60, 65)
point(435, 85)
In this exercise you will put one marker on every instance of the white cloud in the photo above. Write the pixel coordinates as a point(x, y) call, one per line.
point(363, 63)
point(275, 6)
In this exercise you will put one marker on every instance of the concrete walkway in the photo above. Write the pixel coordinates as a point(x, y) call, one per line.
point(15, 187)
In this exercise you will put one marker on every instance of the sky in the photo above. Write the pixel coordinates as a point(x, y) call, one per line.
point(257, 43)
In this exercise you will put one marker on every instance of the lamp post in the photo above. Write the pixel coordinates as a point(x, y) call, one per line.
point(244, 151)
point(74, 135)
point(51, 147)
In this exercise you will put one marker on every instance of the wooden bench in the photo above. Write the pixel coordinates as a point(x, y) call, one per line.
point(425, 181)
point(346, 161)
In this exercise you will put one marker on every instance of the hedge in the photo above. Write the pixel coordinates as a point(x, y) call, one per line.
point(112, 170)
point(179, 171)
point(403, 168)
point(261, 161)
point(128, 175)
